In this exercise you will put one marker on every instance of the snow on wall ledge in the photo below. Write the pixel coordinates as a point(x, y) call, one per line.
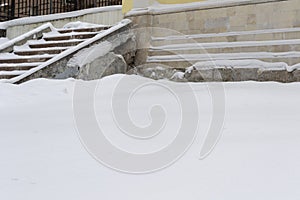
point(158, 8)
point(108, 15)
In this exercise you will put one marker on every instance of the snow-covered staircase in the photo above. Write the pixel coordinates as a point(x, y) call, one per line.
point(271, 45)
point(34, 53)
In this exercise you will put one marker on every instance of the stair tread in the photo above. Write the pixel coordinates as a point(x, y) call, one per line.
point(223, 56)
point(20, 64)
point(89, 29)
point(70, 36)
point(15, 72)
point(238, 33)
point(225, 45)
point(27, 49)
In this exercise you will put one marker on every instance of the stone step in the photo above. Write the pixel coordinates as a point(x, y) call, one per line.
point(66, 43)
point(186, 60)
point(91, 29)
point(13, 67)
point(257, 35)
point(25, 59)
point(69, 37)
point(39, 51)
point(235, 49)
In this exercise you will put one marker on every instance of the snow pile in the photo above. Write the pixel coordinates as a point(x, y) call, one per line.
point(90, 54)
point(244, 64)
point(78, 24)
point(43, 158)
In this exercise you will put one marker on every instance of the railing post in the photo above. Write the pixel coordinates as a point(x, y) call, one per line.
point(13, 9)
point(51, 6)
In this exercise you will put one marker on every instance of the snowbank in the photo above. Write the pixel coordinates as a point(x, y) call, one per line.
point(256, 158)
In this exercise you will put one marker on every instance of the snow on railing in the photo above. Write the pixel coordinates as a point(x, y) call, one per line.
point(72, 50)
point(59, 16)
point(31, 34)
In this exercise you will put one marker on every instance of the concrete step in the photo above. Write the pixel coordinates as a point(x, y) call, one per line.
point(227, 47)
point(91, 29)
point(13, 67)
point(62, 43)
point(257, 35)
point(186, 60)
point(39, 51)
point(69, 37)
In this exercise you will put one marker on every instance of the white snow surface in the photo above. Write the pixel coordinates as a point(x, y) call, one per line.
point(90, 54)
point(256, 158)
point(224, 34)
point(225, 56)
point(213, 45)
point(79, 24)
point(3, 40)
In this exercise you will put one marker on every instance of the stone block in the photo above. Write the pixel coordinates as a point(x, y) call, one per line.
point(275, 75)
point(244, 74)
point(296, 75)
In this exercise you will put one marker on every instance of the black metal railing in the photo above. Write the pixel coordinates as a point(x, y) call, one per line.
point(12, 9)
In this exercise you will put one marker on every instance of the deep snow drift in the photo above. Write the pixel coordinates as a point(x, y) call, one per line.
point(41, 156)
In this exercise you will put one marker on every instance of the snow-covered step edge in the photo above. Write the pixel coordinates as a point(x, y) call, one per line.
point(212, 45)
point(12, 65)
point(27, 48)
point(253, 63)
point(70, 51)
point(56, 34)
point(8, 56)
point(42, 41)
point(15, 72)
point(225, 56)
point(213, 35)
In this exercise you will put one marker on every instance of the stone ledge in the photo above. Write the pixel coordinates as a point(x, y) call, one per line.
point(194, 7)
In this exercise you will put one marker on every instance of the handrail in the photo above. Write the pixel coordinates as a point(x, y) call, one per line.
point(101, 35)
point(8, 46)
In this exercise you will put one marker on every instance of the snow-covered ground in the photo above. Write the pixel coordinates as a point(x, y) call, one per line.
point(41, 156)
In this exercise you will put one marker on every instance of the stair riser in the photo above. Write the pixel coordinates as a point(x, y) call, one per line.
point(30, 60)
point(70, 37)
point(236, 38)
point(29, 53)
point(186, 63)
point(274, 48)
point(16, 68)
point(7, 76)
point(63, 44)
